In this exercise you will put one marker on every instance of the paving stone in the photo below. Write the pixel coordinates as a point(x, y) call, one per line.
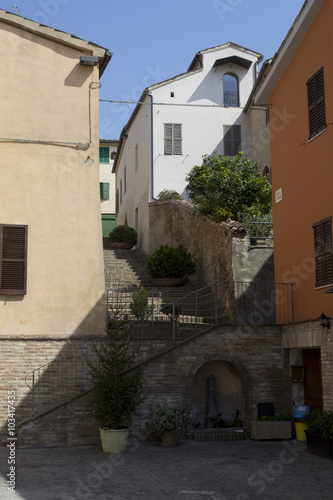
point(222, 470)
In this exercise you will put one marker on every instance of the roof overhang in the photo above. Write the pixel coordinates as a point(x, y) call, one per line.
point(88, 48)
point(240, 61)
point(288, 48)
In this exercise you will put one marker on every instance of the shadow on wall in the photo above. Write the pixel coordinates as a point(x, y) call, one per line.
point(60, 372)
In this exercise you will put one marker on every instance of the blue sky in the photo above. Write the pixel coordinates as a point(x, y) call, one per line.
point(153, 41)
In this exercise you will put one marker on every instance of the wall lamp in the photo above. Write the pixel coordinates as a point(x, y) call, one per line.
point(324, 321)
point(89, 60)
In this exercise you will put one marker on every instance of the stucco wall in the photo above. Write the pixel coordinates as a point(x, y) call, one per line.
point(302, 168)
point(50, 182)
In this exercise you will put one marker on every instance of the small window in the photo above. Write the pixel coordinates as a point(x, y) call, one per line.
point(316, 103)
point(125, 180)
point(172, 139)
point(230, 91)
point(13, 262)
point(232, 140)
point(104, 154)
point(121, 191)
point(172, 94)
point(104, 190)
point(323, 252)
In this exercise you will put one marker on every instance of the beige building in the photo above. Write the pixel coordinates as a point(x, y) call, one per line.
point(107, 184)
point(51, 268)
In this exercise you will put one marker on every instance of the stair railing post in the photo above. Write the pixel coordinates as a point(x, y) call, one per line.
point(173, 324)
point(33, 393)
point(196, 311)
point(215, 290)
point(81, 368)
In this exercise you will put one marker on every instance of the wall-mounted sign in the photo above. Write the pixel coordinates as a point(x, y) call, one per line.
point(278, 195)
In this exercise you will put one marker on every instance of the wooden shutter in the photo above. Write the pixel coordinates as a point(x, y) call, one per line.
point(323, 251)
point(13, 263)
point(316, 103)
point(172, 139)
point(237, 139)
point(177, 139)
point(168, 138)
point(232, 140)
point(227, 140)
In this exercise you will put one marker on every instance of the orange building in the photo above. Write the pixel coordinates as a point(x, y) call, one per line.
point(298, 92)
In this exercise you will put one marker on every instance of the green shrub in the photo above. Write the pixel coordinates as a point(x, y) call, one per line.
point(139, 305)
point(321, 423)
point(170, 262)
point(169, 194)
point(168, 419)
point(123, 234)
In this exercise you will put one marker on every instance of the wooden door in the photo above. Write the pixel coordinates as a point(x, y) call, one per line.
point(313, 392)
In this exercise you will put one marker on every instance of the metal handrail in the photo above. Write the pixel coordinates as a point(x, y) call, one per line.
point(249, 303)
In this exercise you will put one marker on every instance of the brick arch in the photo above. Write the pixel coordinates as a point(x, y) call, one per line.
point(239, 369)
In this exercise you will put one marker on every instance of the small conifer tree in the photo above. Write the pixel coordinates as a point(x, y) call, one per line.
point(117, 381)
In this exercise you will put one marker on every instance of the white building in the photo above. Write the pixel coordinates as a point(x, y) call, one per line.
point(107, 181)
point(176, 123)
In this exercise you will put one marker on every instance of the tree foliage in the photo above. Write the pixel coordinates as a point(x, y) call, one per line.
point(229, 187)
point(117, 382)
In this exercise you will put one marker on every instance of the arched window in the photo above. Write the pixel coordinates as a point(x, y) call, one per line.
point(230, 91)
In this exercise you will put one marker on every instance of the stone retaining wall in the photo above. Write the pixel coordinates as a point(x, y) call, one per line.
point(255, 354)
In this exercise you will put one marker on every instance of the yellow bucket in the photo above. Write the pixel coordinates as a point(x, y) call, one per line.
point(300, 428)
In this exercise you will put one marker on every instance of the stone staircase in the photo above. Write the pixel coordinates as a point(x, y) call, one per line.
point(125, 269)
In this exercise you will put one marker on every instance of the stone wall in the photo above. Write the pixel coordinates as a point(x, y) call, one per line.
point(254, 354)
point(210, 244)
point(58, 360)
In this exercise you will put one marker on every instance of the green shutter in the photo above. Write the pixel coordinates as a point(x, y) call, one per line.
point(104, 154)
point(104, 190)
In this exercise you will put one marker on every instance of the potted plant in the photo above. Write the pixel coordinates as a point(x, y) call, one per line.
point(170, 266)
point(273, 427)
point(139, 306)
point(123, 237)
point(117, 387)
point(167, 423)
point(319, 436)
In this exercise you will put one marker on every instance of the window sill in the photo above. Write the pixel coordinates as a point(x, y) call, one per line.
point(317, 135)
point(321, 287)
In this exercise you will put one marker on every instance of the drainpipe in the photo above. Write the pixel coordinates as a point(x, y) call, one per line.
point(151, 173)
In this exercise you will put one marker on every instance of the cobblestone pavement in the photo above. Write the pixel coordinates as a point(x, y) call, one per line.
point(225, 470)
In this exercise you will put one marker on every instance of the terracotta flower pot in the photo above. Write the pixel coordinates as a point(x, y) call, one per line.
point(124, 246)
point(171, 282)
